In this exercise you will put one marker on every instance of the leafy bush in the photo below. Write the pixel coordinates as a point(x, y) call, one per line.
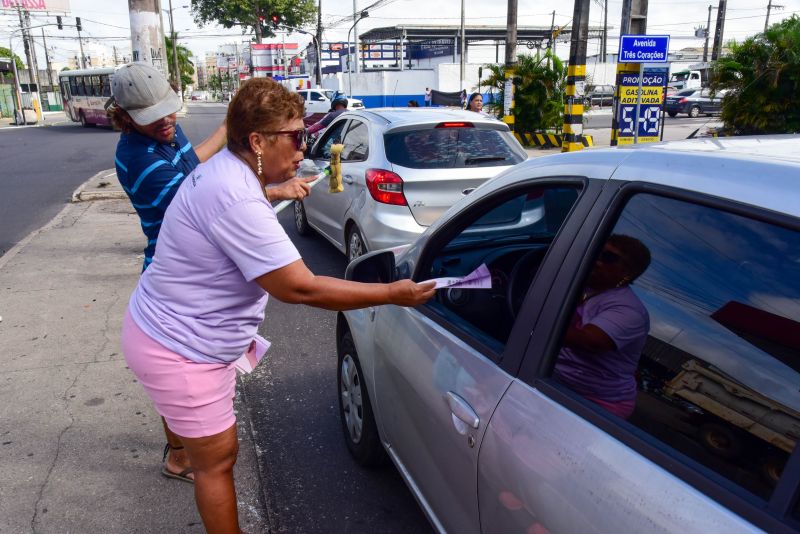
point(762, 76)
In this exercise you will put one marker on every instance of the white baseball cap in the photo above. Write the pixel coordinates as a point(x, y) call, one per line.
point(144, 93)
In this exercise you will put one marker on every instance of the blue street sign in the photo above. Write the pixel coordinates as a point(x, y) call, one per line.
point(643, 48)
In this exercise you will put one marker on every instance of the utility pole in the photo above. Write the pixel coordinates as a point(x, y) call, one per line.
point(552, 43)
point(82, 62)
point(47, 60)
point(576, 78)
point(769, 8)
point(717, 50)
point(30, 56)
point(147, 33)
point(603, 55)
point(463, 47)
point(708, 32)
point(319, 44)
point(176, 67)
point(115, 56)
point(355, 35)
point(511, 61)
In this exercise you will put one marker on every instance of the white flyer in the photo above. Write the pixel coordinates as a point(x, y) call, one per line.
point(480, 278)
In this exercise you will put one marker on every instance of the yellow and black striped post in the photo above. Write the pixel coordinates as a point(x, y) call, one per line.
point(508, 92)
point(576, 78)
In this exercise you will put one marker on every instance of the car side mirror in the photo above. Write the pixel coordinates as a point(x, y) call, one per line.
point(373, 267)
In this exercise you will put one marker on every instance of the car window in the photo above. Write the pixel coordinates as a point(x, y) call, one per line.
point(705, 93)
point(510, 237)
point(356, 142)
point(447, 148)
point(688, 327)
point(686, 92)
point(331, 136)
point(315, 96)
point(303, 94)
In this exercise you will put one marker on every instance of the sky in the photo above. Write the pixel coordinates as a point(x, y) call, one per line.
point(106, 22)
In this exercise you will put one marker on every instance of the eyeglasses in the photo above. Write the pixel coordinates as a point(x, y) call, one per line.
point(608, 256)
point(300, 136)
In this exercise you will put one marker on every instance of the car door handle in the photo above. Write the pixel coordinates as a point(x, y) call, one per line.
point(462, 410)
point(348, 179)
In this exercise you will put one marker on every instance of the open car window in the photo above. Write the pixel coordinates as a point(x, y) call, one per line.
point(510, 237)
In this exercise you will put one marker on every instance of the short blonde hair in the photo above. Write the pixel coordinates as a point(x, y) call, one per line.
point(260, 105)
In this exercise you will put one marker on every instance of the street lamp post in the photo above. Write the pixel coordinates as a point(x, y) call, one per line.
point(362, 15)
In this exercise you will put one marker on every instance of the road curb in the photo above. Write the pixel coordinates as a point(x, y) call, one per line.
point(102, 186)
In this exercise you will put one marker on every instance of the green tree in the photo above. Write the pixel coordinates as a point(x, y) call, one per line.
point(539, 82)
point(5, 52)
point(762, 79)
point(185, 64)
point(254, 14)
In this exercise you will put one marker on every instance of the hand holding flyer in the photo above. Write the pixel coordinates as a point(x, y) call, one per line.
point(480, 278)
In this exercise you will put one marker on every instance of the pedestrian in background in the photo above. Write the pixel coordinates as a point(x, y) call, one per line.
point(338, 106)
point(475, 103)
point(413, 104)
point(199, 305)
point(428, 96)
point(153, 157)
point(463, 97)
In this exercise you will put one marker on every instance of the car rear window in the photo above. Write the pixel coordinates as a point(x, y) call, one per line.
point(448, 148)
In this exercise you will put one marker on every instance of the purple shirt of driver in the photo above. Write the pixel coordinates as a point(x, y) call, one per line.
point(607, 376)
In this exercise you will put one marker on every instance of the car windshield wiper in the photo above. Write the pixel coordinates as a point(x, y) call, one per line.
point(470, 161)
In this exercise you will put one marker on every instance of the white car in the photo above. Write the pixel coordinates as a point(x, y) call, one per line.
point(319, 100)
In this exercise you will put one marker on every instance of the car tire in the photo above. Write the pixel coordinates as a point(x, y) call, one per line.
point(300, 219)
point(84, 122)
point(721, 440)
point(355, 243)
point(672, 113)
point(355, 410)
point(694, 112)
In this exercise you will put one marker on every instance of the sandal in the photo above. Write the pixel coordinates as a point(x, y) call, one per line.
point(183, 475)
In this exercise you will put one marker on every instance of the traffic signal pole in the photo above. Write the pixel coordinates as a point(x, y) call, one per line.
point(576, 79)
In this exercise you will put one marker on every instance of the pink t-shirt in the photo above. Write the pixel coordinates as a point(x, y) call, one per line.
point(199, 297)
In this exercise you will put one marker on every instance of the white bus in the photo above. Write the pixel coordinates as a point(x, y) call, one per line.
point(84, 93)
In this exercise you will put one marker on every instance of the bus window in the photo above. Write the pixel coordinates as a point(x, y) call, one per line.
point(95, 86)
point(65, 89)
point(80, 89)
point(105, 83)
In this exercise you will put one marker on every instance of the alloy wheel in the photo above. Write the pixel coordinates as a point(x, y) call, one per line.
point(350, 391)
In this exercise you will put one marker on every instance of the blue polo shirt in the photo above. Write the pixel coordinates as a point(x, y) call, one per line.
point(150, 173)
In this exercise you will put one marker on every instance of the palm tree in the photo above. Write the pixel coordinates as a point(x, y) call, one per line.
point(539, 82)
point(762, 79)
point(184, 62)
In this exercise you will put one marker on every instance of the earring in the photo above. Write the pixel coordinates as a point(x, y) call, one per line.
point(258, 154)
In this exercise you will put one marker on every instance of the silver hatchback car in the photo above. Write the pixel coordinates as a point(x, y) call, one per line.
point(634, 366)
point(402, 168)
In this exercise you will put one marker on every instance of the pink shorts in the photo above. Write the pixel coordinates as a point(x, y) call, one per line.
point(196, 399)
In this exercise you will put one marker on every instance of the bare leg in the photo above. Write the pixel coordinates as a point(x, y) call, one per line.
point(212, 459)
point(177, 459)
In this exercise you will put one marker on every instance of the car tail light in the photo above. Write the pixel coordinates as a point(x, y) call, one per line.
point(386, 187)
point(683, 100)
point(455, 125)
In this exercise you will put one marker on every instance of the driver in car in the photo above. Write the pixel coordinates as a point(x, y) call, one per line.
point(603, 343)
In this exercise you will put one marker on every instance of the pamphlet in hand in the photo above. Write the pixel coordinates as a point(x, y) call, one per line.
point(258, 347)
point(480, 278)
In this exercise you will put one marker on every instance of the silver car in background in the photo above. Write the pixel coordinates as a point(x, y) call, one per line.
point(463, 392)
point(402, 169)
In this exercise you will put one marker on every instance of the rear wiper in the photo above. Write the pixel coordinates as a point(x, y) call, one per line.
point(469, 161)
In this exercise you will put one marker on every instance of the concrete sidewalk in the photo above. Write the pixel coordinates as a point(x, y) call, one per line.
point(50, 118)
point(80, 444)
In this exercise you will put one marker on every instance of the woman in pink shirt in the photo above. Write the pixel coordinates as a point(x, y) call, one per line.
point(221, 252)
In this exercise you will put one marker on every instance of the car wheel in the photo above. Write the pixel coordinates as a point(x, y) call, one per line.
point(672, 113)
point(721, 440)
point(355, 244)
point(83, 120)
point(694, 112)
point(300, 220)
point(355, 411)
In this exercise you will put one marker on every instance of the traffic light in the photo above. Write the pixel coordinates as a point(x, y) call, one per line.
point(78, 24)
point(59, 23)
point(276, 20)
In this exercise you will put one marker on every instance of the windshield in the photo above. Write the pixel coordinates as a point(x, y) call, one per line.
point(447, 148)
point(679, 76)
point(329, 94)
